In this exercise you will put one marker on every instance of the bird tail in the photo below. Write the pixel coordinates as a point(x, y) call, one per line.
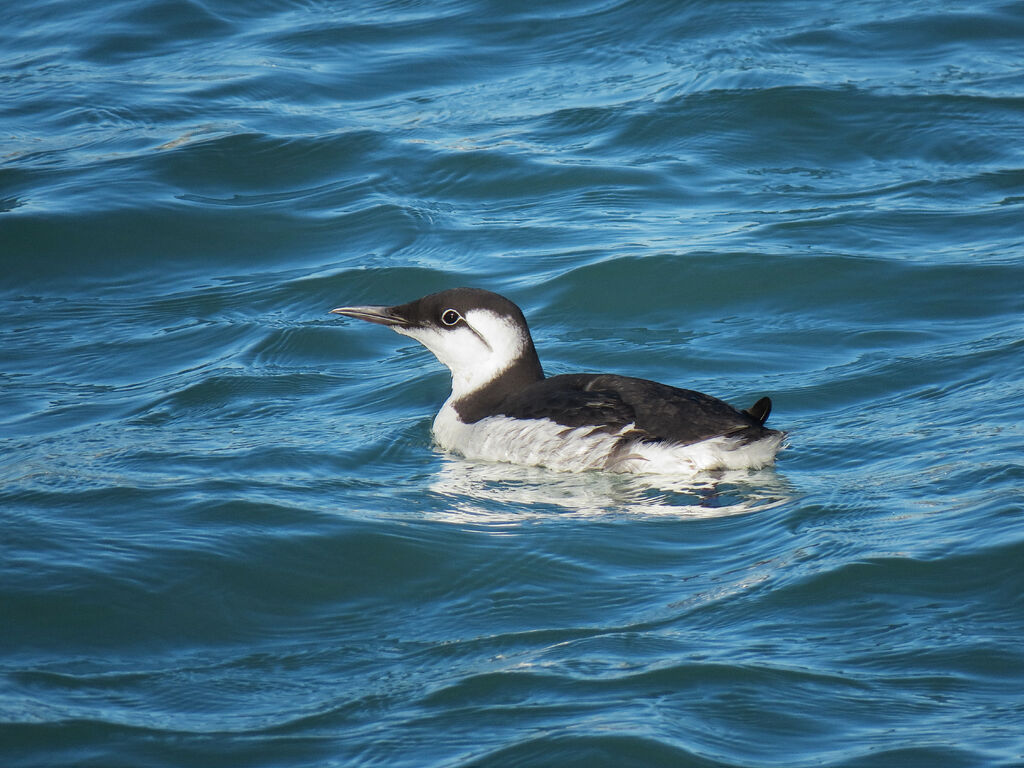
point(760, 410)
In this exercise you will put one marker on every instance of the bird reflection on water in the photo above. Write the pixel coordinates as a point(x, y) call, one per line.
point(506, 493)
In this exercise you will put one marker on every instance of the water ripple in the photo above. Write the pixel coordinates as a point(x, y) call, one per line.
point(227, 537)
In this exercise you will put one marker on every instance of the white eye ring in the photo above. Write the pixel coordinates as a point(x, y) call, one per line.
point(450, 317)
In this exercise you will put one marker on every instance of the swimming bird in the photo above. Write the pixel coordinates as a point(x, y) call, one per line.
point(503, 408)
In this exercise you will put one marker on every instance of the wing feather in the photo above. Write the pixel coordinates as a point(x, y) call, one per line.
point(655, 412)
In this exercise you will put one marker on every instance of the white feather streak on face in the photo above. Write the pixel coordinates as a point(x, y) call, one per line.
point(475, 359)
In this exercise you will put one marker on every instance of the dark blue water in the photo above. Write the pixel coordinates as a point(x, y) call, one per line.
point(225, 536)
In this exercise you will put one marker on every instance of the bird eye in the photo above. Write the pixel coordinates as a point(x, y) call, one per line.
point(450, 317)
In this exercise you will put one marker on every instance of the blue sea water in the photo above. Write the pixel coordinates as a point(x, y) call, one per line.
point(225, 536)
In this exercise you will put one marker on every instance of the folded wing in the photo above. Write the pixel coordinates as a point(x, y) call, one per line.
point(657, 412)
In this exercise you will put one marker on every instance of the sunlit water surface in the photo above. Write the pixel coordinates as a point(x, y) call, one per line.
point(225, 536)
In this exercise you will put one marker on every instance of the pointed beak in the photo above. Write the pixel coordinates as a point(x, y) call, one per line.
point(374, 314)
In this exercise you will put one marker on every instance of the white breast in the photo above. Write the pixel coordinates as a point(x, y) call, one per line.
point(533, 442)
point(540, 442)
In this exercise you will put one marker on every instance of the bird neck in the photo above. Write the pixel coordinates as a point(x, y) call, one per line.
point(471, 405)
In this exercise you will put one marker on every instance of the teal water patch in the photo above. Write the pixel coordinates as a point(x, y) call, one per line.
point(227, 537)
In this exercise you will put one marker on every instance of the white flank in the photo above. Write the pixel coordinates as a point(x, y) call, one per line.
point(540, 442)
point(716, 453)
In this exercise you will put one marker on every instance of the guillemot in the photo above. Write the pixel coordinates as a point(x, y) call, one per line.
point(503, 408)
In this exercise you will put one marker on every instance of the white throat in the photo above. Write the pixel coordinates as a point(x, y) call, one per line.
point(477, 351)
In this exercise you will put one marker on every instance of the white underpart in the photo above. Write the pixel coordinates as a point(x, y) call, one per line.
point(540, 442)
point(472, 361)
